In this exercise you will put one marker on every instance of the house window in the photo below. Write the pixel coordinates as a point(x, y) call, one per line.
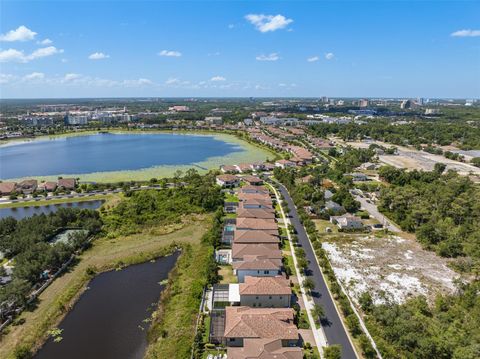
point(256, 298)
point(266, 272)
point(281, 297)
point(270, 297)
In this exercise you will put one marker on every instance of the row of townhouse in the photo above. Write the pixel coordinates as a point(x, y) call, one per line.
point(247, 167)
point(31, 185)
point(257, 318)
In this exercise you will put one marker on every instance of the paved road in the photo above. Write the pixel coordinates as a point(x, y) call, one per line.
point(373, 211)
point(334, 330)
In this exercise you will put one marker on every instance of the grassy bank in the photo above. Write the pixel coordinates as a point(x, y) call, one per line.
point(173, 329)
point(105, 254)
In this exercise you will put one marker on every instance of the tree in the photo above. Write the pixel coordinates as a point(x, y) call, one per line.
point(332, 352)
point(309, 284)
point(318, 313)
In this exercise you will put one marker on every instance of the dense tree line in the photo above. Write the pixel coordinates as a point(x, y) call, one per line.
point(439, 132)
point(416, 330)
point(27, 242)
point(442, 209)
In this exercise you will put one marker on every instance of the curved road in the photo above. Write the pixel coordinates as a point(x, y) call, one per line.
point(332, 325)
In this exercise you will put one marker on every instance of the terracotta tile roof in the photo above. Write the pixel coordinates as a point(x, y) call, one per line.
point(246, 322)
point(227, 178)
point(253, 189)
point(242, 196)
point(7, 187)
point(256, 224)
point(264, 349)
point(257, 263)
point(267, 250)
point(68, 183)
point(254, 237)
point(255, 213)
point(278, 285)
point(252, 179)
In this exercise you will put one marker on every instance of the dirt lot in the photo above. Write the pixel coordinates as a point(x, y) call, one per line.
point(390, 267)
point(412, 159)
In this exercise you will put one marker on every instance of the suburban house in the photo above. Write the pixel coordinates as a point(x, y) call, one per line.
point(27, 186)
point(261, 213)
point(264, 349)
point(230, 207)
point(252, 180)
point(284, 163)
point(347, 221)
point(256, 224)
point(229, 169)
point(264, 250)
point(256, 266)
point(48, 186)
point(7, 188)
point(244, 167)
point(357, 176)
point(227, 180)
point(260, 323)
point(67, 183)
point(258, 166)
point(256, 204)
point(248, 189)
point(334, 207)
point(243, 236)
point(266, 292)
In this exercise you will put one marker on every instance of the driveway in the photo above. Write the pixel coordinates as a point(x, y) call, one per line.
point(373, 211)
point(332, 325)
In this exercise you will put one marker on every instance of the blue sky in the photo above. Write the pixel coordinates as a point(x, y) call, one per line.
point(240, 48)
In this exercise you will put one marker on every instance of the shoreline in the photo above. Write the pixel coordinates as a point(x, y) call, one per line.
point(250, 153)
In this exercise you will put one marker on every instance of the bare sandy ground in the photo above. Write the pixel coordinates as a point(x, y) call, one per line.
point(390, 267)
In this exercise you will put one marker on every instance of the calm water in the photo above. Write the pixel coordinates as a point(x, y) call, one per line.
point(22, 212)
point(105, 323)
point(108, 152)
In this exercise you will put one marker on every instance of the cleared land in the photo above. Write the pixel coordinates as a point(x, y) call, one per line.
point(389, 267)
point(412, 159)
point(105, 254)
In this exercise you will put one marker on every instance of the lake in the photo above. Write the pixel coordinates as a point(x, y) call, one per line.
point(23, 212)
point(110, 152)
point(108, 320)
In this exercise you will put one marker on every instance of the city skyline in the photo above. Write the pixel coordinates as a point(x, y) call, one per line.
point(241, 49)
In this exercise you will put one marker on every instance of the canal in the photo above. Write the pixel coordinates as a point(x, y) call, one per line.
point(22, 212)
point(110, 320)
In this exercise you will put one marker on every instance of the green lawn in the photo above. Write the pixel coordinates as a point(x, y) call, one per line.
point(322, 224)
point(230, 198)
point(226, 274)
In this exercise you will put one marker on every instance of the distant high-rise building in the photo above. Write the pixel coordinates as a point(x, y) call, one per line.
point(363, 103)
point(406, 104)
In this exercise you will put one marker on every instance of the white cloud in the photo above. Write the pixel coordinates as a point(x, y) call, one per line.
point(43, 52)
point(12, 55)
point(22, 33)
point(266, 23)
point(170, 53)
point(172, 81)
point(98, 56)
point(71, 77)
point(45, 42)
point(34, 76)
point(270, 57)
point(231, 26)
point(6, 78)
point(313, 59)
point(466, 33)
point(218, 78)
point(137, 82)
point(329, 56)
